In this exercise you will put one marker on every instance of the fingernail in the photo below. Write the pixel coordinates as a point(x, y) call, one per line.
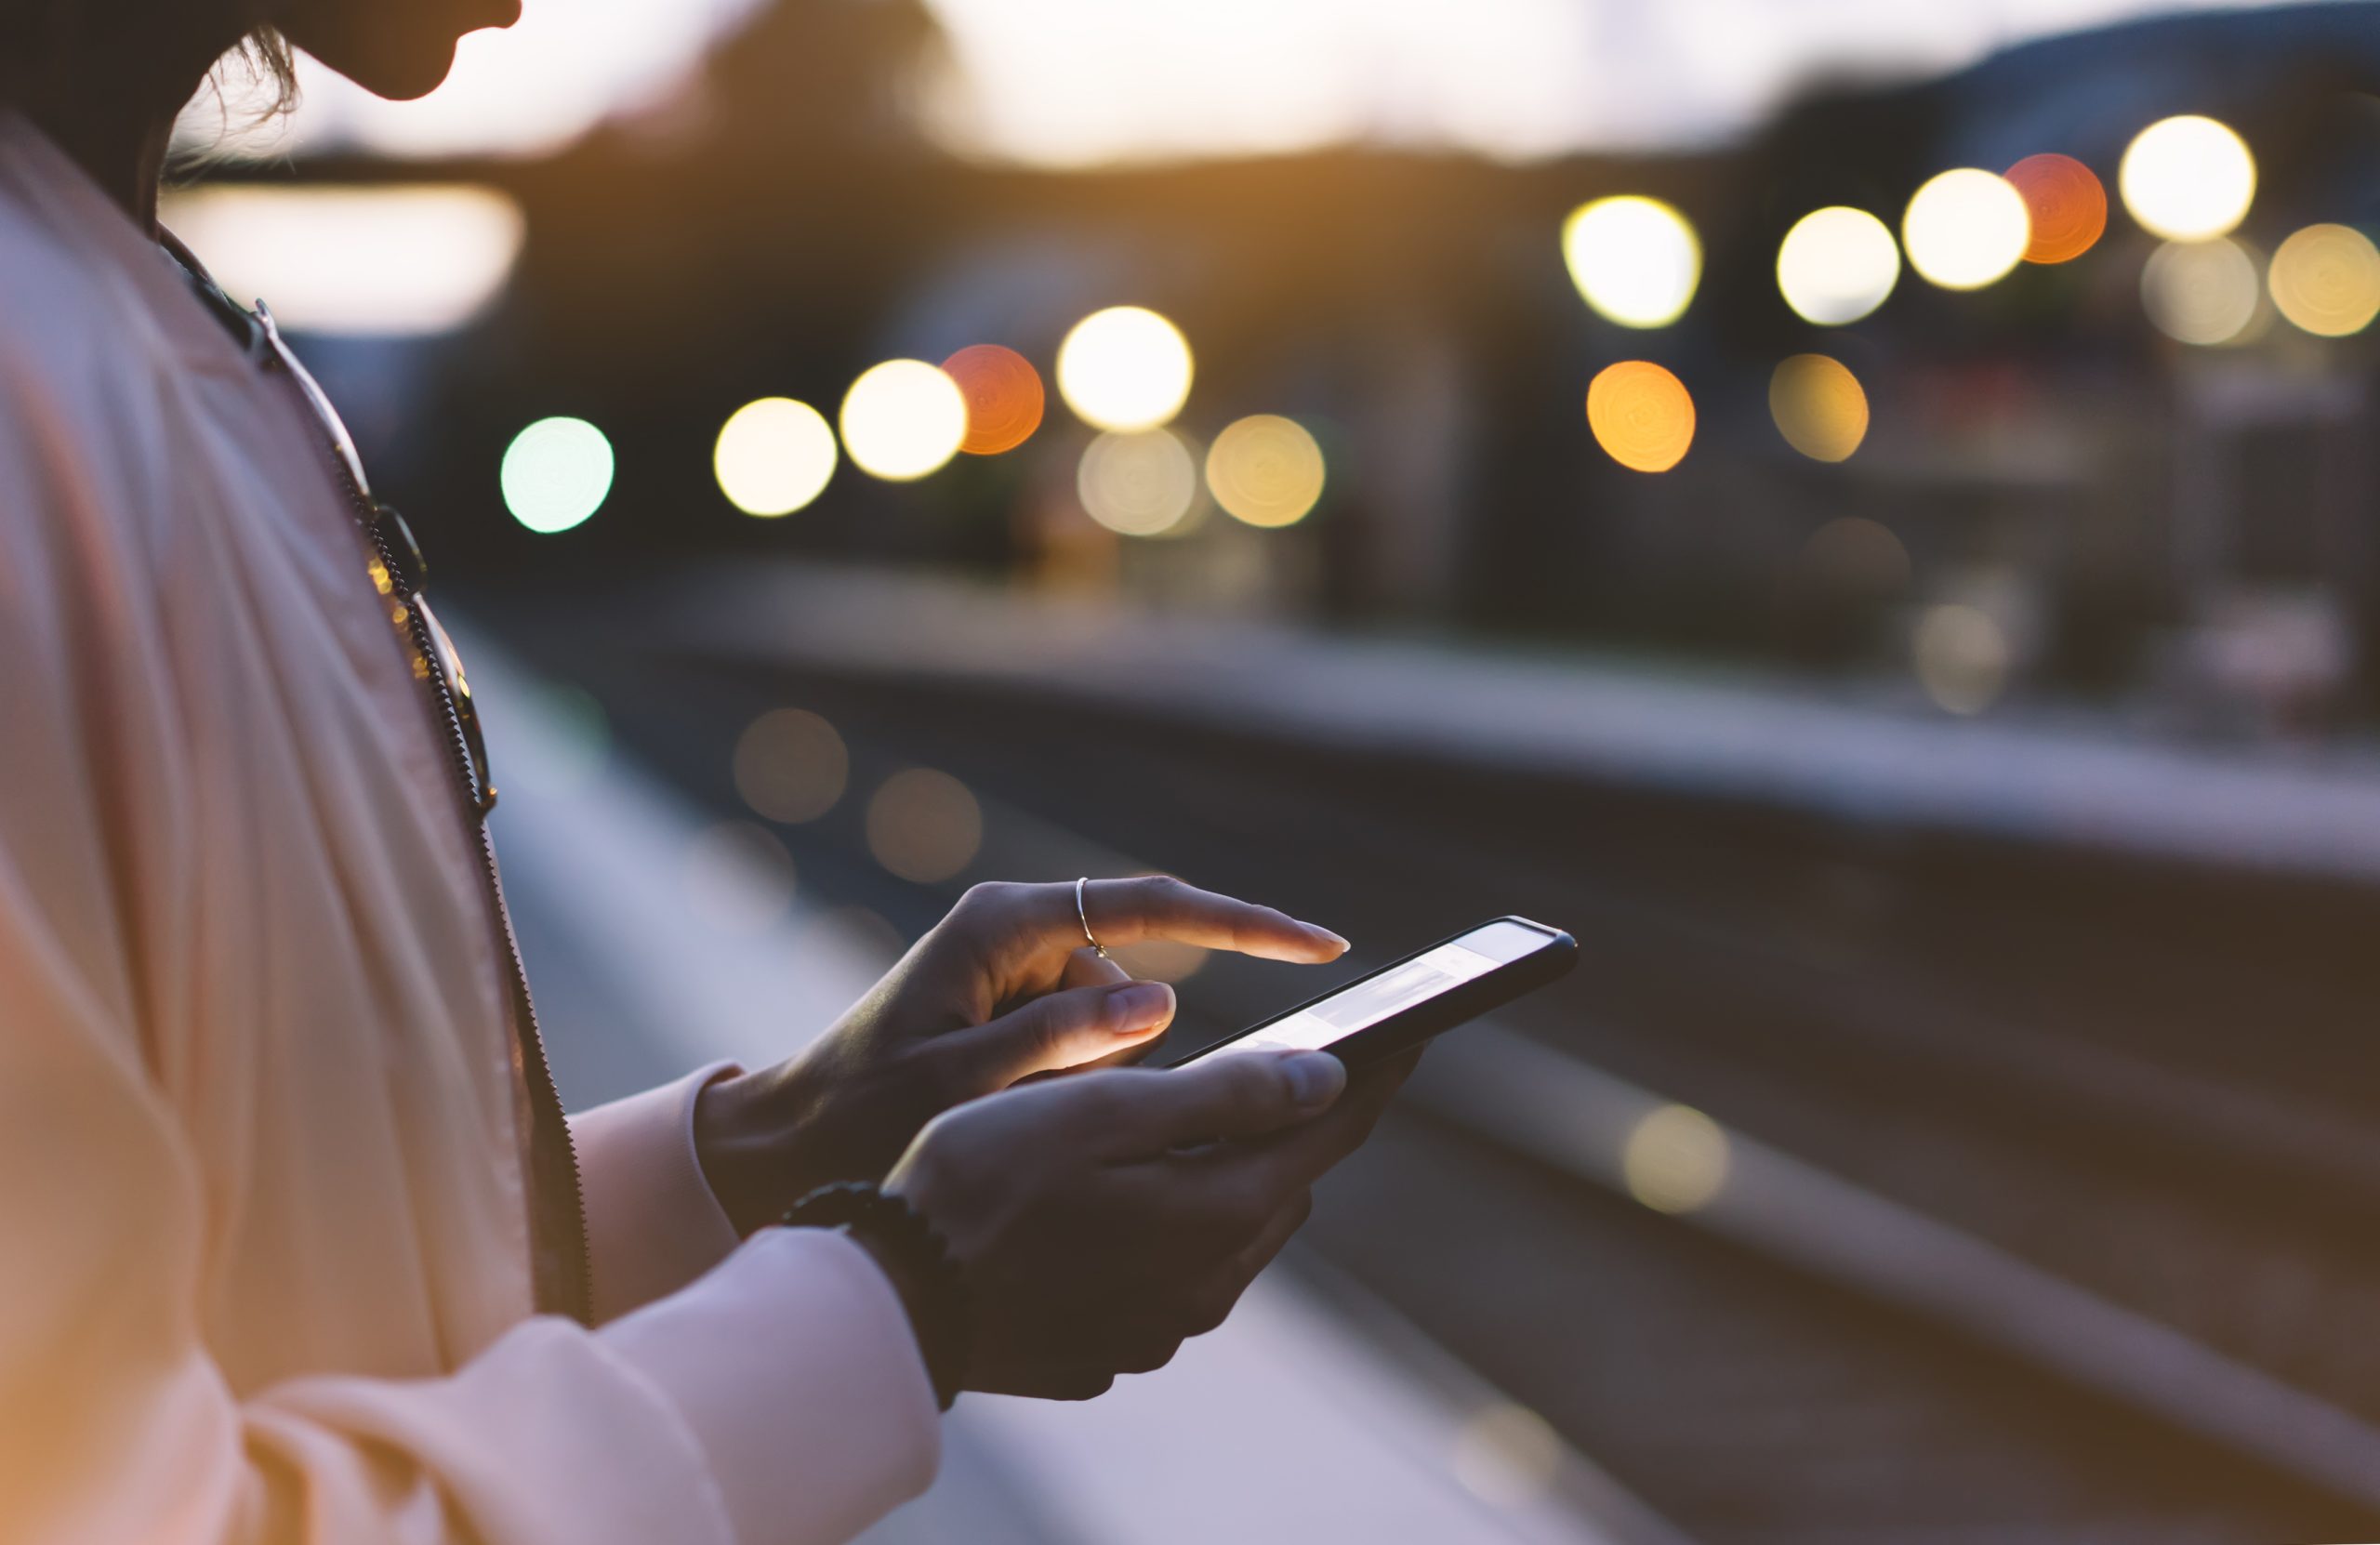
point(1327, 936)
point(1140, 1004)
point(1315, 1078)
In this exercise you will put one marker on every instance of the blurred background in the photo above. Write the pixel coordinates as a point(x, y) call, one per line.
point(1866, 513)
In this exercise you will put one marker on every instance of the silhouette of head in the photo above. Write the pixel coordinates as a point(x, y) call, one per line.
point(399, 48)
point(52, 50)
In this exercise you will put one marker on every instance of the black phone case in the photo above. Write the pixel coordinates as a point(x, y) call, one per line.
point(1432, 1016)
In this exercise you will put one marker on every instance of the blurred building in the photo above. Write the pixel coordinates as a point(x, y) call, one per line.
point(2125, 512)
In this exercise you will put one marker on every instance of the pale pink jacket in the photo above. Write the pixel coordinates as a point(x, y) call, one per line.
point(264, 1270)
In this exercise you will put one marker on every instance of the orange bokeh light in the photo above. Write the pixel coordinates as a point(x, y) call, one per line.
point(2069, 207)
point(1641, 415)
point(1004, 397)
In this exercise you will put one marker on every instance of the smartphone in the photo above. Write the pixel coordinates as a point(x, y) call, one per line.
point(1408, 1001)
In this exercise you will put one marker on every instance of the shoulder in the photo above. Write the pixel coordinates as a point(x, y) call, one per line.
point(84, 430)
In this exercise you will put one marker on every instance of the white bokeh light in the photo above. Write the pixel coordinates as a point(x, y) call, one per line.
point(1125, 369)
point(1967, 228)
point(1635, 260)
point(1837, 265)
point(902, 420)
point(774, 456)
point(2188, 180)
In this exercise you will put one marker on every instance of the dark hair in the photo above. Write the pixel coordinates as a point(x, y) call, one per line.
point(37, 37)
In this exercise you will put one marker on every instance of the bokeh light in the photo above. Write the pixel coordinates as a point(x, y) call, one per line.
point(902, 421)
point(1138, 485)
point(1636, 260)
point(774, 456)
point(738, 877)
point(1642, 415)
point(1266, 470)
point(1967, 228)
point(1004, 397)
point(1961, 658)
point(1837, 265)
point(2204, 292)
point(1125, 368)
point(1675, 1159)
point(1852, 557)
point(1507, 1456)
point(2188, 180)
point(924, 825)
point(790, 765)
point(2066, 201)
point(2326, 279)
point(1820, 406)
point(556, 474)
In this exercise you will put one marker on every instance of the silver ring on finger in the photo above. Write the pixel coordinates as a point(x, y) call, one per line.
point(1084, 913)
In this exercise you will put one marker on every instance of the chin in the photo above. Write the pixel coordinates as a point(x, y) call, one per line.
point(422, 63)
point(410, 85)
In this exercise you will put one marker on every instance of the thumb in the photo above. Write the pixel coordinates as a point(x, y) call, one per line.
point(1059, 1030)
point(1244, 1094)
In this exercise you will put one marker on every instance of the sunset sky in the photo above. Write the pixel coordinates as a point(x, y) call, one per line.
point(1084, 82)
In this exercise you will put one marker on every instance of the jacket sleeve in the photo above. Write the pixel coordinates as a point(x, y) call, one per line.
point(779, 1398)
point(653, 1225)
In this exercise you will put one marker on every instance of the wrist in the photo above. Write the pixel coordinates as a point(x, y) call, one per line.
point(745, 1129)
point(915, 1261)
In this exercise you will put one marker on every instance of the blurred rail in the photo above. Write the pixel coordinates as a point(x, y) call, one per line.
point(2051, 1199)
point(1561, 1111)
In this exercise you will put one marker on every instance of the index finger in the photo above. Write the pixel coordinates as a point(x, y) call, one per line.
point(1159, 907)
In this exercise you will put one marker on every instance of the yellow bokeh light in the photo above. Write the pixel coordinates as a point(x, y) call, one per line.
point(1125, 368)
point(556, 474)
point(1820, 406)
point(2326, 279)
point(924, 825)
point(1675, 1159)
point(2188, 180)
point(1837, 265)
point(903, 419)
point(1138, 485)
point(1967, 228)
point(774, 456)
point(1642, 415)
point(1636, 260)
point(790, 765)
point(2204, 292)
point(1266, 471)
point(1961, 658)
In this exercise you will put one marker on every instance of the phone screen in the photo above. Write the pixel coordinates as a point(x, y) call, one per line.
point(1360, 1005)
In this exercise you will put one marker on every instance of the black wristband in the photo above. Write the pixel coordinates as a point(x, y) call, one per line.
point(932, 1287)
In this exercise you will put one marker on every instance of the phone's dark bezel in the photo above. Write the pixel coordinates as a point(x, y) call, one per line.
point(1435, 1015)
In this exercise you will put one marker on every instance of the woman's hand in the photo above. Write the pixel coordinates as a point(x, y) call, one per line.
point(1001, 989)
point(1100, 1220)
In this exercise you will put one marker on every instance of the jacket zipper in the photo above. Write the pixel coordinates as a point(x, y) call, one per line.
point(576, 1287)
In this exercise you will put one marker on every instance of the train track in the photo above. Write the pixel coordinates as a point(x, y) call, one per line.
point(2019, 1279)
